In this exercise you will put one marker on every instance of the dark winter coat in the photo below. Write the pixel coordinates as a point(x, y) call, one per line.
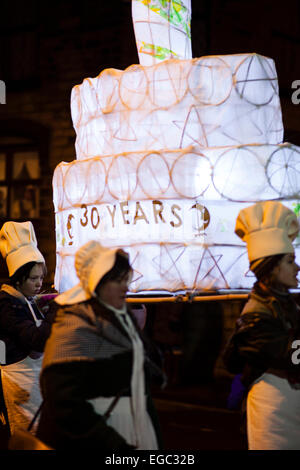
point(18, 329)
point(94, 359)
point(264, 336)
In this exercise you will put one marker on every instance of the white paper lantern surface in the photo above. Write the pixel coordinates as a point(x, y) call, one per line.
point(167, 153)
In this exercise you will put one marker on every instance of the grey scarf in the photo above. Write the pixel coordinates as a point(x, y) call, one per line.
point(85, 331)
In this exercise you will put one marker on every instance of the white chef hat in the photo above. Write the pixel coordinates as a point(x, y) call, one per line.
point(18, 245)
point(268, 228)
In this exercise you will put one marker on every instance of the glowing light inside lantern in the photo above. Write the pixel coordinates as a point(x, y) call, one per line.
point(207, 102)
point(167, 155)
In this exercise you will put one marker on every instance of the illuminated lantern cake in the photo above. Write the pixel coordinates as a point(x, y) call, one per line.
point(167, 153)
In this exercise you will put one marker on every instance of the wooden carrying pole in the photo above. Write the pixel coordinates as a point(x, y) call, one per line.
point(187, 298)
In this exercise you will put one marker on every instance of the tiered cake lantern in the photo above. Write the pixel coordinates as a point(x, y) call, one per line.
point(167, 153)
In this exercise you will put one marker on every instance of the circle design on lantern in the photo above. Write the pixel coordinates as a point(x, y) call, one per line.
point(96, 177)
point(167, 83)
point(191, 175)
point(238, 175)
point(210, 80)
point(122, 177)
point(255, 80)
point(74, 182)
point(153, 175)
point(133, 87)
point(283, 171)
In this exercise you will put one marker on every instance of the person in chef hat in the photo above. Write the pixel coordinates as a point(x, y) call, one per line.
point(24, 329)
point(269, 324)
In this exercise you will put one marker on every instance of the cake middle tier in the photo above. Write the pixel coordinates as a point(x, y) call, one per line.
point(242, 173)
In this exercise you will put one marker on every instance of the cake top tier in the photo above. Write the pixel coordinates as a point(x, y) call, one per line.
point(208, 101)
point(162, 30)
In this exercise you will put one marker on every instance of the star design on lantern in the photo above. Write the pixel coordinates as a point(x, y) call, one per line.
point(159, 138)
point(242, 113)
point(237, 262)
point(125, 132)
point(136, 275)
point(203, 272)
point(167, 259)
point(193, 129)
